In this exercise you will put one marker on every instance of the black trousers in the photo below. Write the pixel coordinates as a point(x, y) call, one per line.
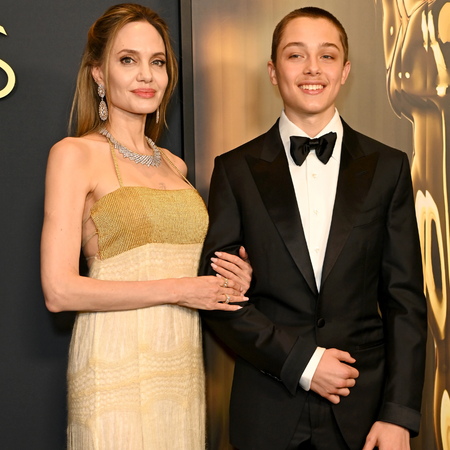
point(317, 428)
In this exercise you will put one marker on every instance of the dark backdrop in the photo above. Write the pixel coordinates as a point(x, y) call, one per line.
point(43, 46)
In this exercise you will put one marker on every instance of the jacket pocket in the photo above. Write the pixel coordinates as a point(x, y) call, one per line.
point(370, 345)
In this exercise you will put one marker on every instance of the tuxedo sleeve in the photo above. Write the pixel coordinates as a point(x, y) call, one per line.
point(248, 332)
point(403, 308)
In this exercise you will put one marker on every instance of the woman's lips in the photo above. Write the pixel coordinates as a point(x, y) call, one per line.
point(144, 93)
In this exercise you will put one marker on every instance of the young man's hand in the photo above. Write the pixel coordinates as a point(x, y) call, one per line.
point(387, 436)
point(333, 378)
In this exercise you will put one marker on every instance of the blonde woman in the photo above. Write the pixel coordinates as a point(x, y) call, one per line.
point(135, 376)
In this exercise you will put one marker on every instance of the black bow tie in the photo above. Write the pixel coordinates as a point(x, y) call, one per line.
point(301, 146)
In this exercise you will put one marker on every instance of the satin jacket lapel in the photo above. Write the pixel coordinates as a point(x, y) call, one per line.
point(356, 172)
point(273, 180)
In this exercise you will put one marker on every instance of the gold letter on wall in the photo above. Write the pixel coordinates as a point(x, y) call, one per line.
point(9, 73)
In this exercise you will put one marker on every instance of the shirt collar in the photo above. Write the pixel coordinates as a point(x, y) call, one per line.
point(288, 129)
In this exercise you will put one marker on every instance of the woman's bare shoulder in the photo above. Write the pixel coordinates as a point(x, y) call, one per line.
point(83, 143)
point(179, 163)
point(79, 150)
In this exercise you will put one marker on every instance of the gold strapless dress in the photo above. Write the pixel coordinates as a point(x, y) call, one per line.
point(135, 378)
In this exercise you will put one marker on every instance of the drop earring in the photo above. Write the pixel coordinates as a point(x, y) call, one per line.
point(102, 108)
point(157, 115)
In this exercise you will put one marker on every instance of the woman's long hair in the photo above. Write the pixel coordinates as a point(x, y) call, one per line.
point(84, 118)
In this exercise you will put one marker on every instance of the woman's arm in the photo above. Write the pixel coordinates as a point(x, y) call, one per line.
point(70, 180)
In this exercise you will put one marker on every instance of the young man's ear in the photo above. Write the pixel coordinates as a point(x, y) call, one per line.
point(272, 73)
point(345, 72)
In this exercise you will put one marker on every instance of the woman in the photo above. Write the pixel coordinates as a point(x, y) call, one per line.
point(135, 375)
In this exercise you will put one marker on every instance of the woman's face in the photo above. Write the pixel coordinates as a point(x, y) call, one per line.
point(137, 70)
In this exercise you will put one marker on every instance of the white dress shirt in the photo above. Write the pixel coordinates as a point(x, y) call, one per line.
point(315, 190)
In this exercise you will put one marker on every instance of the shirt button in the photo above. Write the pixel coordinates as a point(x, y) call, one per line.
point(317, 249)
point(321, 322)
point(314, 175)
point(316, 211)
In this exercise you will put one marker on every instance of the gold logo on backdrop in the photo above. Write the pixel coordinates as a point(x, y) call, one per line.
point(9, 73)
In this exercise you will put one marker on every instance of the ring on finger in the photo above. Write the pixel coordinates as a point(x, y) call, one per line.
point(228, 298)
point(225, 284)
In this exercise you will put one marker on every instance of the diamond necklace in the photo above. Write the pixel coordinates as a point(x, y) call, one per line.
point(148, 160)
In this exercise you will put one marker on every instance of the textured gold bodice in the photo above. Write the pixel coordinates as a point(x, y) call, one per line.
point(135, 378)
point(132, 216)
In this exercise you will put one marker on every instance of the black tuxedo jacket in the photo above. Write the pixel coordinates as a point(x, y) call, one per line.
point(370, 303)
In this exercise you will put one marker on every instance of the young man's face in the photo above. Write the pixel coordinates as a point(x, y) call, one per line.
point(310, 69)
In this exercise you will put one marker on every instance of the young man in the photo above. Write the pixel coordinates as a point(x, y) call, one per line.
point(331, 346)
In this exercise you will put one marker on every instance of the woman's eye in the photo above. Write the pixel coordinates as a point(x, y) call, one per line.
point(127, 60)
point(158, 62)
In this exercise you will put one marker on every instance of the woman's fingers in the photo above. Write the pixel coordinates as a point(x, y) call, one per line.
point(233, 267)
point(228, 304)
point(240, 261)
point(225, 307)
point(228, 283)
point(226, 267)
point(230, 295)
point(223, 271)
point(210, 293)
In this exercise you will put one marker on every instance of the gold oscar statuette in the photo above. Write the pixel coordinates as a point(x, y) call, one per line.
point(9, 73)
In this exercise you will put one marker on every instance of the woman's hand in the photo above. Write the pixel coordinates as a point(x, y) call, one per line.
point(235, 268)
point(209, 293)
